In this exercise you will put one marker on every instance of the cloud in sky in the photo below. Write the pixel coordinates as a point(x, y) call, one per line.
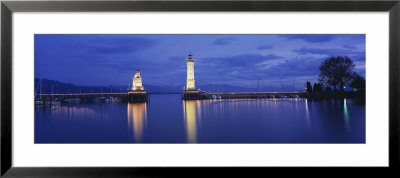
point(119, 45)
point(113, 59)
point(223, 41)
point(355, 55)
point(265, 47)
point(311, 38)
point(242, 60)
point(349, 46)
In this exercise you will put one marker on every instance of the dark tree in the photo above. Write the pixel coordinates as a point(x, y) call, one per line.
point(317, 87)
point(358, 82)
point(309, 87)
point(337, 71)
point(328, 89)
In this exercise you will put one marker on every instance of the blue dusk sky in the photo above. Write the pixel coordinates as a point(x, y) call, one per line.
point(105, 60)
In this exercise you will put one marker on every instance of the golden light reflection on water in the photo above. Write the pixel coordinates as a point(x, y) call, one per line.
point(196, 110)
point(75, 112)
point(137, 119)
point(191, 111)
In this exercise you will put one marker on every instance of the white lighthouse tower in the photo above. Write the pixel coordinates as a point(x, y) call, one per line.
point(190, 84)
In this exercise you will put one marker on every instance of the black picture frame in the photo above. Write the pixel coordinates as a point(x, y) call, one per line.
point(8, 7)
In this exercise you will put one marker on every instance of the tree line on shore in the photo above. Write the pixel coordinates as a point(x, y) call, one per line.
point(335, 74)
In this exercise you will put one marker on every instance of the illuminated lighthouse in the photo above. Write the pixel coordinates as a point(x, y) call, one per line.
point(190, 85)
point(191, 93)
point(137, 82)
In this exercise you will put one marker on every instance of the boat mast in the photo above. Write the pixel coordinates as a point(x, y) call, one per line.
point(40, 92)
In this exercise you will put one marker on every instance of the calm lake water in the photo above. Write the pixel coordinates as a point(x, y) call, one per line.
point(168, 119)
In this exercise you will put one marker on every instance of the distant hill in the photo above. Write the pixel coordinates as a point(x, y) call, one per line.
point(52, 86)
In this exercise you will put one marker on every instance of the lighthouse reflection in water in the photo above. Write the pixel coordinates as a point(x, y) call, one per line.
point(137, 116)
point(165, 118)
point(192, 112)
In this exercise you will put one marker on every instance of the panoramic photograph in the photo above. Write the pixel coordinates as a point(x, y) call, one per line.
point(200, 88)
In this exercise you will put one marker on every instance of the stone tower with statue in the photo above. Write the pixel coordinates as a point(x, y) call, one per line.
point(137, 92)
point(137, 82)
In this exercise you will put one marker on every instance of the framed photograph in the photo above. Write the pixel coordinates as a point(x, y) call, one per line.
point(136, 88)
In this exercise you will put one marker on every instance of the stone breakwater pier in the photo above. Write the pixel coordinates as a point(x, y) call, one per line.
point(92, 97)
point(196, 95)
